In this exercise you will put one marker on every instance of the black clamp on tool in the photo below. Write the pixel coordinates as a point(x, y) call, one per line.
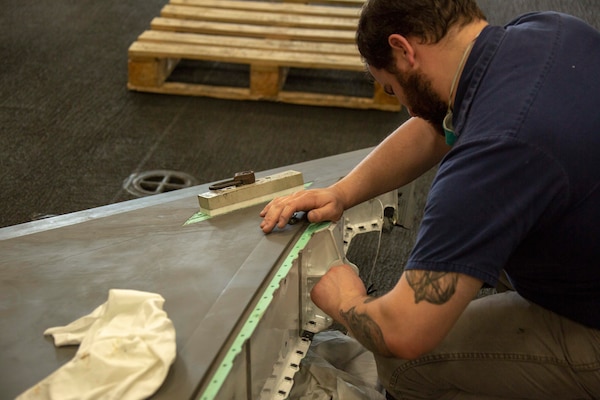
point(239, 179)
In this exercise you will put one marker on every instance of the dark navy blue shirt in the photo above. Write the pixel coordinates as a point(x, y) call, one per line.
point(520, 189)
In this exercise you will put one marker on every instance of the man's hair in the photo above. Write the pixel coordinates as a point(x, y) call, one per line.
point(427, 20)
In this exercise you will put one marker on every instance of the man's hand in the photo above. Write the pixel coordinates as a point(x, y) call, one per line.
point(341, 294)
point(320, 204)
point(337, 291)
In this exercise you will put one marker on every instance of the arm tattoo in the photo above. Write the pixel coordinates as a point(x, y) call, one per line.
point(432, 286)
point(366, 331)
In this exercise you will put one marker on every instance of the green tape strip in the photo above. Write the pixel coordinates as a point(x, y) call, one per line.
point(252, 322)
point(200, 216)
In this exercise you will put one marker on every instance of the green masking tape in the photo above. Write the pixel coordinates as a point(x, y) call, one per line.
point(251, 323)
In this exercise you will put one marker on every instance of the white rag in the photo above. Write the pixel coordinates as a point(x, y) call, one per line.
point(126, 347)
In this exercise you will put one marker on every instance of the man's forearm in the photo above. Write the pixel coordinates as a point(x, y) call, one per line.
point(406, 154)
point(365, 330)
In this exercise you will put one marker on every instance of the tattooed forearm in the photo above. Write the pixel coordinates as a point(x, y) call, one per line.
point(431, 286)
point(366, 331)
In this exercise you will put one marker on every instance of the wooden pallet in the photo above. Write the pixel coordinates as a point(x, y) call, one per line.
point(269, 37)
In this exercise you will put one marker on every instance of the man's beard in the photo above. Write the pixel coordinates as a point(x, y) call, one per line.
point(421, 98)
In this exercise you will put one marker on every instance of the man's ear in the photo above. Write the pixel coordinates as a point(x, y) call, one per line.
point(402, 48)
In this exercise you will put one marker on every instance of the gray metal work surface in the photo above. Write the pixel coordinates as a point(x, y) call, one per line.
point(55, 271)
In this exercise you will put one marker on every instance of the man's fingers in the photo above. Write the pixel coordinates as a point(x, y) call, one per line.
point(285, 215)
point(318, 204)
point(264, 211)
point(277, 213)
point(266, 226)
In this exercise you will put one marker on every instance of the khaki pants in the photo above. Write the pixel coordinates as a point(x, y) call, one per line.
point(502, 347)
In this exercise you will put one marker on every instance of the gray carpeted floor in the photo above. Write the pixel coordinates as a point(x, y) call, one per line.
point(71, 132)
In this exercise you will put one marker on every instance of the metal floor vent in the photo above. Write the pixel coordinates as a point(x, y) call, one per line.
point(159, 181)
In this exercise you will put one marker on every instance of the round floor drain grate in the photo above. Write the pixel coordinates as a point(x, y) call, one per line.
point(159, 181)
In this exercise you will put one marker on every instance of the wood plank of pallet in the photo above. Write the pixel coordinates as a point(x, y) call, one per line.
point(266, 80)
point(150, 71)
point(235, 93)
point(281, 58)
point(257, 18)
point(273, 7)
point(193, 89)
point(271, 32)
point(319, 99)
point(248, 43)
point(355, 3)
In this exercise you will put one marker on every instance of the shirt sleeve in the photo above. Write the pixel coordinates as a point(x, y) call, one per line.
point(489, 194)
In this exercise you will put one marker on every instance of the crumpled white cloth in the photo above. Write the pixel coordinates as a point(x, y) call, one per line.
point(126, 347)
point(337, 367)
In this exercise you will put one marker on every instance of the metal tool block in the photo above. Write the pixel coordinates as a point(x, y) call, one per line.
point(232, 198)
